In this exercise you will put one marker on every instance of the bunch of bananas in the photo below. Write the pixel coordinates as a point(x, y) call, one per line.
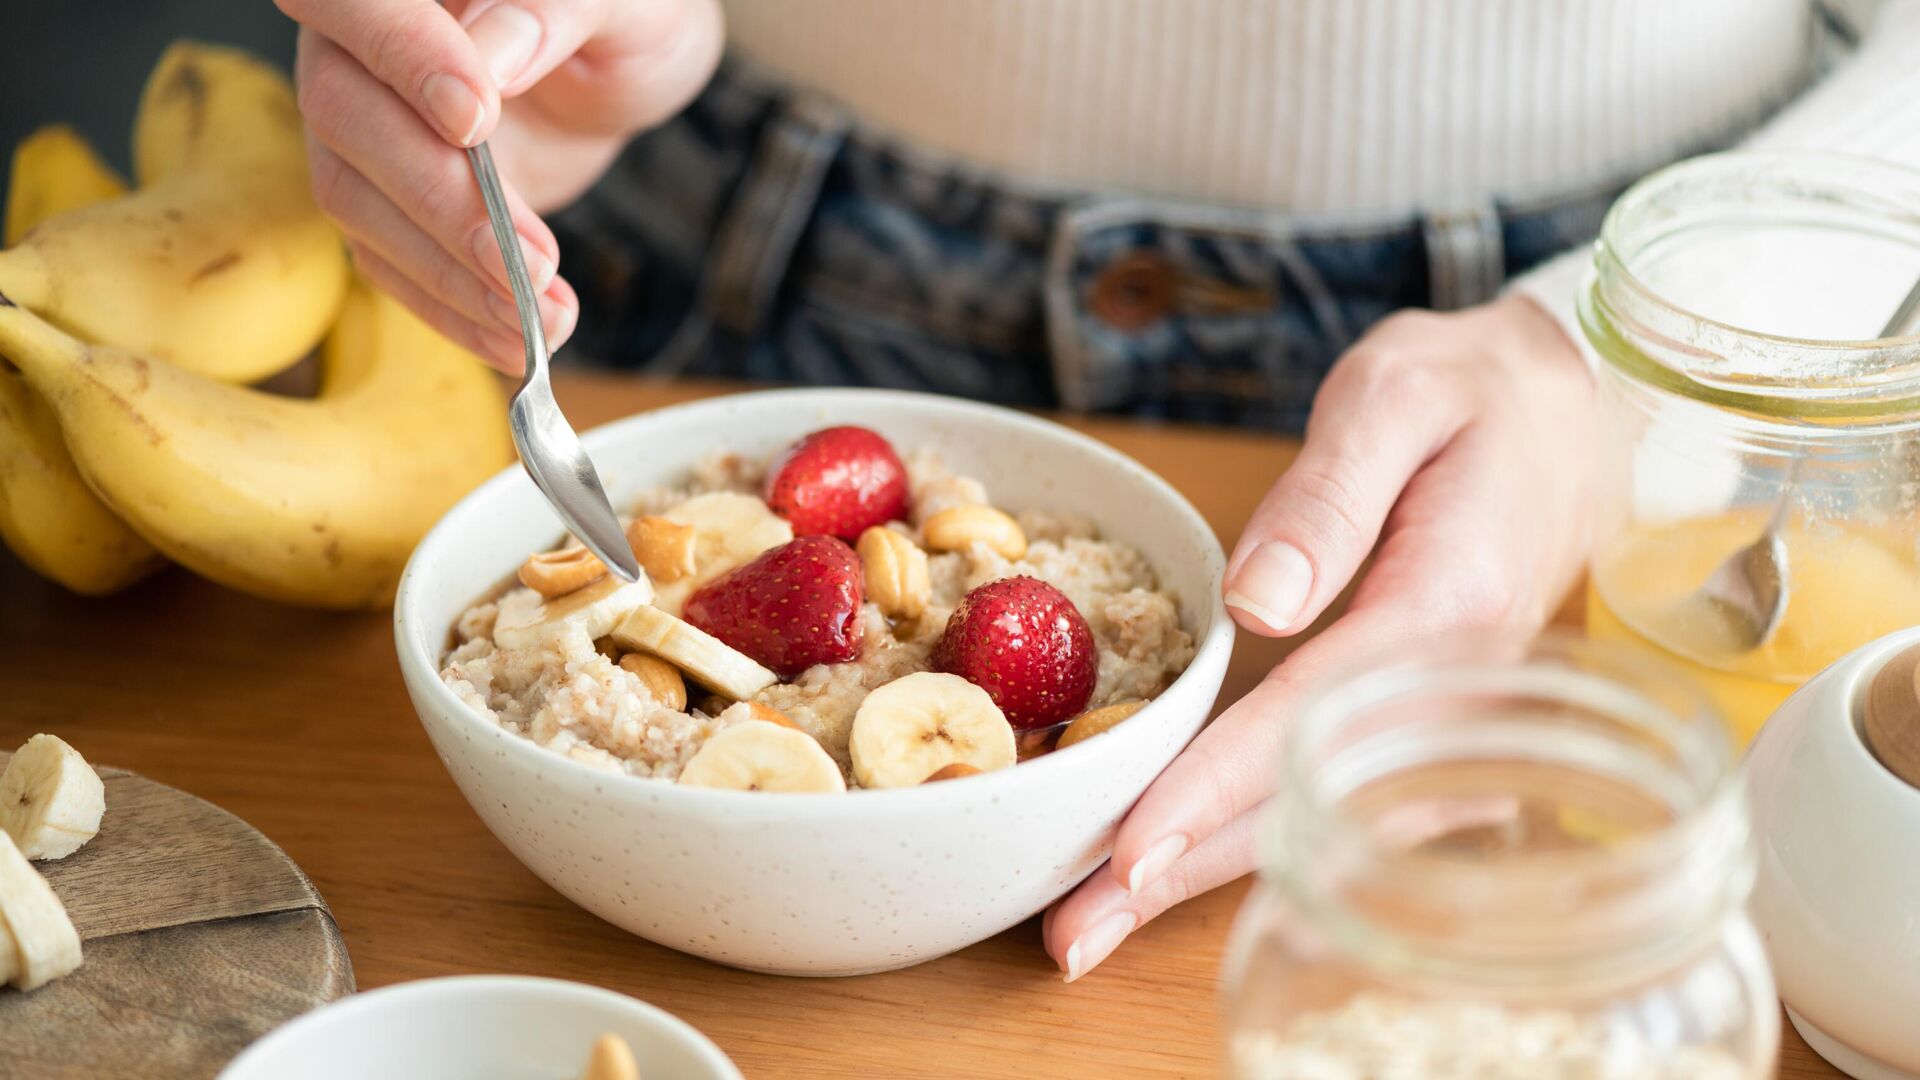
point(130, 320)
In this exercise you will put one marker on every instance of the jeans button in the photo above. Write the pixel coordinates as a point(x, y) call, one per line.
point(1133, 292)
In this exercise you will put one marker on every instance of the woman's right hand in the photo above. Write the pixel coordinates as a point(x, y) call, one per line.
point(394, 90)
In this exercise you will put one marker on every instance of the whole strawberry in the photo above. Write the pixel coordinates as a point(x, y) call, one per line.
point(1024, 643)
point(793, 607)
point(838, 481)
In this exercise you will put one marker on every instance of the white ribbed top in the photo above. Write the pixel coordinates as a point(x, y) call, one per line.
point(1345, 108)
point(1334, 106)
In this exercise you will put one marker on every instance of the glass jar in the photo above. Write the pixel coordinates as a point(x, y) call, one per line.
point(1736, 302)
point(1492, 860)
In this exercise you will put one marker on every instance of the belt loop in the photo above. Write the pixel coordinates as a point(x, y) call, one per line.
point(1466, 259)
point(756, 240)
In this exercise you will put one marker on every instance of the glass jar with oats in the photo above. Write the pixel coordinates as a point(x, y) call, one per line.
point(1737, 304)
point(1493, 860)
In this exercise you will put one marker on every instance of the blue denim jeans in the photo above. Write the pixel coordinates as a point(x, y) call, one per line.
point(762, 236)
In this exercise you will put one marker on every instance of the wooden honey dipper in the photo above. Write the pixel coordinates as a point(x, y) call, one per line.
point(1892, 725)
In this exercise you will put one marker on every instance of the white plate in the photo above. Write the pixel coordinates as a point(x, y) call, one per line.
point(477, 1027)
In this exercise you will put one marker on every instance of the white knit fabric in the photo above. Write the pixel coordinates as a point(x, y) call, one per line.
point(1869, 105)
point(1340, 107)
point(1345, 109)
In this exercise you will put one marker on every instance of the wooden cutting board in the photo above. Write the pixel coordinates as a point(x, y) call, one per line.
point(199, 935)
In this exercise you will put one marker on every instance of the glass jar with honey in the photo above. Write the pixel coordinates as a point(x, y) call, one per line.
point(1736, 304)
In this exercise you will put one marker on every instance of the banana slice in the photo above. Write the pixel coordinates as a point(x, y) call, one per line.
point(45, 943)
point(711, 662)
point(526, 618)
point(759, 756)
point(50, 799)
point(728, 529)
point(915, 726)
point(9, 952)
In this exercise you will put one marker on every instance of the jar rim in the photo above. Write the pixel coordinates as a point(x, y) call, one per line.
point(1697, 867)
point(1653, 339)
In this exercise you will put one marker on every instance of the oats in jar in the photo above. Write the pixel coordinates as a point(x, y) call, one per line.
point(1374, 1036)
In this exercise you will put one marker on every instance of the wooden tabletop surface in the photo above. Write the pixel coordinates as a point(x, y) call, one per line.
point(297, 722)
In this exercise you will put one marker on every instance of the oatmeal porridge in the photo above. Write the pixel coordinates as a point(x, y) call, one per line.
point(836, 617)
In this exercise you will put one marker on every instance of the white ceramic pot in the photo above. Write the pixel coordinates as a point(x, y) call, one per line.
point(477, 1027)
point(817, 884)
point(1838, 898)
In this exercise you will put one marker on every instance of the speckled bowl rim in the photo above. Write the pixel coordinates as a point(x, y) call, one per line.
point(1216, 636)
point(403, 995)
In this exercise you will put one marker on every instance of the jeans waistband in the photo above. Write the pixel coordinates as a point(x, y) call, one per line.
point(1110, 267)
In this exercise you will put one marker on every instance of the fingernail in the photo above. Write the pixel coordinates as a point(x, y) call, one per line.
point(540, 269)
point(565, 317)
point(1153, 865)
point(1272, 584)
point(506, 37)
point(556, 318)
point(1098, 943)
point(454, 105)
point(550, 317)
point(504, 310)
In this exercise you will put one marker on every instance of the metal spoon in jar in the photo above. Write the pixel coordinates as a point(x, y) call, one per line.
point(548, 447)
point(1750, 588)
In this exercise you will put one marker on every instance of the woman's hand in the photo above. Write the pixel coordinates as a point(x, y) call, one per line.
point(1455, 448)
point(394, 90)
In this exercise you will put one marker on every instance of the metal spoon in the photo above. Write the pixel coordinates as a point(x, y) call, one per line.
point(1750, 588)
point(548, 447)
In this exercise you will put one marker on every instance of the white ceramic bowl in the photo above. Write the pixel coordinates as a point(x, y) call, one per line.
point(816, 884)
point(1838, 895)
point(477, 1027)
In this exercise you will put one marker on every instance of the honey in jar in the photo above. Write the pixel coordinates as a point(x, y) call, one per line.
point(1846, 584)
point(1735, 305)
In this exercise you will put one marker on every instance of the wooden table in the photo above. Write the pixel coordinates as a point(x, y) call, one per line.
point(297, 722)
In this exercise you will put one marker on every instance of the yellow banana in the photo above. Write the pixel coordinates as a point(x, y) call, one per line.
point(48, 517)
point(315, 501)
point(220, 262)
point(47, 514)
point(54, 171)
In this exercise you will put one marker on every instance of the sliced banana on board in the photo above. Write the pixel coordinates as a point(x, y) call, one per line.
point(729, 530)
point(706, 659)
point(756, 755)
point(9, 954)
point(526, 618)
point(50, 799)
point(913, 727)
point(45, 944)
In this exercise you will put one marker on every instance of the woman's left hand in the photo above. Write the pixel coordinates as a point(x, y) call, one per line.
point(1457, 450)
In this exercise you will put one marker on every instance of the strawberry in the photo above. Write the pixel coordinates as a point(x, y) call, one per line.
point(1024, 643)
point(793, 607)
point(838, 481)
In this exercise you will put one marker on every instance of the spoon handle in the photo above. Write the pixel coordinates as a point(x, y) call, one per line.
point(1896, 325)
point(531, 330)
